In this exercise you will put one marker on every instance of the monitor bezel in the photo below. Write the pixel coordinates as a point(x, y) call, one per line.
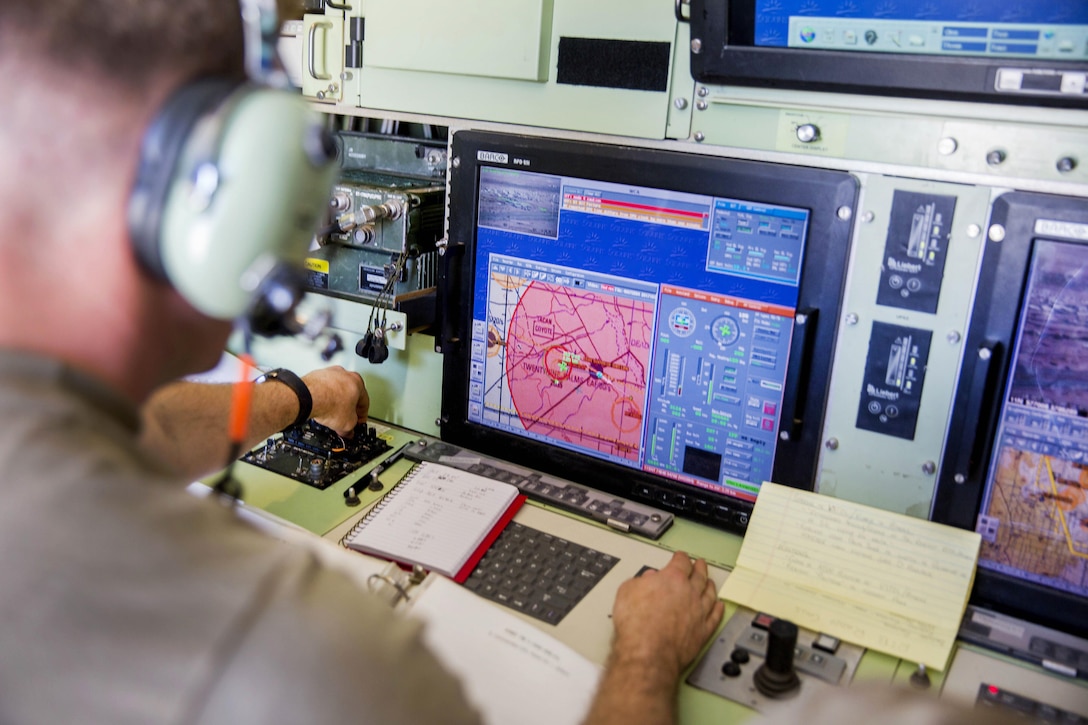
point(980, 393)
point(725, 54)
point(830, 197)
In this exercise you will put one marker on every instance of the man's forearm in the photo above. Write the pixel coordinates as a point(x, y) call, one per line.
point(635, 692)
point(185, 424)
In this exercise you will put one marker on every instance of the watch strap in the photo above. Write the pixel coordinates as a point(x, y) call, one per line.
point(294, 382)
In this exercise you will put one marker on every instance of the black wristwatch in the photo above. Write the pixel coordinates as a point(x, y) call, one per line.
point(294, 382)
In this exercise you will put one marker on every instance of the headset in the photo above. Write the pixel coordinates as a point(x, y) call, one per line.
point(232, 180)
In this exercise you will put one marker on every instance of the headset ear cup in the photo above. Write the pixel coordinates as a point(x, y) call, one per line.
point(231, 183)
point(160, 151)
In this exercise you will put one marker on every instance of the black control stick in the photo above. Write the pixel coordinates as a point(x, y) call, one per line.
point(776, 676)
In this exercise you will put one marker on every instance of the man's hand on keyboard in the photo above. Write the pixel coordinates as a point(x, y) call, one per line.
point(662, 619)
point(666, 616)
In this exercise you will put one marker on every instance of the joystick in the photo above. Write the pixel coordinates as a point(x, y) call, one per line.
point(776, 677)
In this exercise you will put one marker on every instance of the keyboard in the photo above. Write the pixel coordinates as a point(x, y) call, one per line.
point(541, 575)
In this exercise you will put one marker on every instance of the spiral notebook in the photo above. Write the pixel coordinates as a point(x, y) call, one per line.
point(440, 518)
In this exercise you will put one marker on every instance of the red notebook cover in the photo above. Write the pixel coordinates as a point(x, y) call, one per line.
point(489, 540)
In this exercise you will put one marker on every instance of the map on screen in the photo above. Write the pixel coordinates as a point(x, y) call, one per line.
point(1034, 516)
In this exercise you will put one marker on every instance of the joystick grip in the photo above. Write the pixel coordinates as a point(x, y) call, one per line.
point(776, 677)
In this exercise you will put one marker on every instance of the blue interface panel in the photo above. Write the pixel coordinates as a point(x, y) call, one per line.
point(642, 326)
point(1034, 514)
point(1052, 30)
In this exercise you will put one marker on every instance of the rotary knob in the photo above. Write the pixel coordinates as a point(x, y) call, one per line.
point(808, 132)
point(341, 201)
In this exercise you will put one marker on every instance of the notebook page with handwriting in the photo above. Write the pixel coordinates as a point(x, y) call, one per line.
point(883, 580)
point(437, 517)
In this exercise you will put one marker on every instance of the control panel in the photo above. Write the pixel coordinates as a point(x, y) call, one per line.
point(992, 696)
point(760, 661)
point(385, 218)
point(717, 387)
point(315, 455)
point(913, 269)
point(618, 513)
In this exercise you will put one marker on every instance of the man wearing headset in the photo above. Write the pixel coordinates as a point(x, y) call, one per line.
point(122, 598)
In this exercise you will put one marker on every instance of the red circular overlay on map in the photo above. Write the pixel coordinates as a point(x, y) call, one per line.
point(576, 365)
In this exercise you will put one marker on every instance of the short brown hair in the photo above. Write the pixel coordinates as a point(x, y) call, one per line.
point(129, 43)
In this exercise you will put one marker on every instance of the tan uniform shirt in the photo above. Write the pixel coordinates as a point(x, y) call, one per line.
point(123, 599)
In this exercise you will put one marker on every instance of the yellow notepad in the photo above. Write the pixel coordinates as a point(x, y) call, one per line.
point(881, 580)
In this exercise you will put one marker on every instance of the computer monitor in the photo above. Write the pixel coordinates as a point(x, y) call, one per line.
point(1018, 466)
point(651, 323)
point(1001, 51)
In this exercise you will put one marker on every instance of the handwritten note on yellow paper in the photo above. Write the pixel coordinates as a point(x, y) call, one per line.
point(882, 580)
